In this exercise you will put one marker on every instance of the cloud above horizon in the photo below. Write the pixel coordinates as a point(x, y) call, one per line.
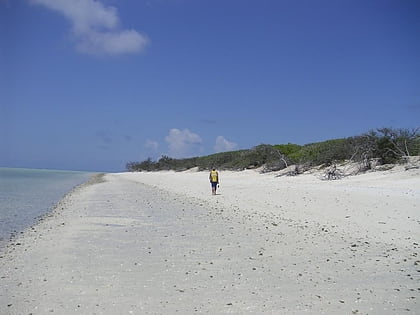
point(96, 28)
point(182, 143)
point(222, 145)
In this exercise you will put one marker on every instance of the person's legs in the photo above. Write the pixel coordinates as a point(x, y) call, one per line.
point(213, 188)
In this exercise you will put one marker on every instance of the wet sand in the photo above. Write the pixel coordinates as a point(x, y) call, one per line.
point(160, 243)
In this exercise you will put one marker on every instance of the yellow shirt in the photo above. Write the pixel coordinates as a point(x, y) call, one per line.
point(214, 176)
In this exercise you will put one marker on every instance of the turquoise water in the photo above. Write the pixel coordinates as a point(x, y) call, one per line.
point(26, 194)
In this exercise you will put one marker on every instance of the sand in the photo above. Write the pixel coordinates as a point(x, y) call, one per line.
point(160, 243)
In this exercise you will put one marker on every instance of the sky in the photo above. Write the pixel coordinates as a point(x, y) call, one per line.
point(94, 84)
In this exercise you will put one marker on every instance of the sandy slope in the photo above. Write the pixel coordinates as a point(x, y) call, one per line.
point(160, 243)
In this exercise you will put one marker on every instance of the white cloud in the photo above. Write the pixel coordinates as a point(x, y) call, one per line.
point(182, 143)
point(111, 43)
point(97, 27)
point(223, 145)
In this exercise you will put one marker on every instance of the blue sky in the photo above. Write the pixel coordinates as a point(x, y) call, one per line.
point(91, 85)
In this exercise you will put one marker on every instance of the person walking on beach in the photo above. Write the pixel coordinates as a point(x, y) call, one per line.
point(214, 180)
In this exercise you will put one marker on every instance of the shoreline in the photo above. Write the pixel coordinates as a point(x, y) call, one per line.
point(31, 215)
point(160, 243)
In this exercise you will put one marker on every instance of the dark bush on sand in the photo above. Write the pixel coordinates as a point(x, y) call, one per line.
point(386, 145)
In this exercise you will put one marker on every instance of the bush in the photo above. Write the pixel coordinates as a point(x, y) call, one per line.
point(386, 144)
point(290, 151)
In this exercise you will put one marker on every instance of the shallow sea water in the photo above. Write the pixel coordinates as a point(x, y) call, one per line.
point(27, 194)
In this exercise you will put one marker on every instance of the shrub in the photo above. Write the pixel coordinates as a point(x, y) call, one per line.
point(386, 144)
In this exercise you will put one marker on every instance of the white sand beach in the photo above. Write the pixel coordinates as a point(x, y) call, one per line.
point(160, 243)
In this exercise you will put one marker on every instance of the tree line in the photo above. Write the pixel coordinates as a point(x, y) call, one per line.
point(384, 145)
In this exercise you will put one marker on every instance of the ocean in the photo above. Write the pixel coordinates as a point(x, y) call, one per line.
point(27, 194)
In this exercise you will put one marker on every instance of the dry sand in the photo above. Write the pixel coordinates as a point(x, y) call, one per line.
point(160, 243)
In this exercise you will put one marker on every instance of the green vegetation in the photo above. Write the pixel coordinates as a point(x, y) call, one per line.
point(387, 145)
